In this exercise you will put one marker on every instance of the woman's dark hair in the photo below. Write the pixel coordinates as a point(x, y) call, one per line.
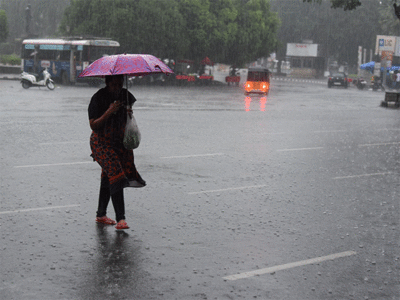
point(110, 78)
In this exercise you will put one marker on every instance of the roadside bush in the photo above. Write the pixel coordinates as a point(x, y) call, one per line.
point(11, 59)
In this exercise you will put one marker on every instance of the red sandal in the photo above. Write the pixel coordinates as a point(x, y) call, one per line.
point(122, 225)
point(105, 220)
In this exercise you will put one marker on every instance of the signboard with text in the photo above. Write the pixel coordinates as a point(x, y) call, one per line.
point(385, 43)
point(304, 50)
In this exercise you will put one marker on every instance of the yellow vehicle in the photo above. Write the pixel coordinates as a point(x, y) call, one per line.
point(258, 79)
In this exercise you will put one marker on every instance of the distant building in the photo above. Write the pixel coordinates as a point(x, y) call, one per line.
point(305, 59)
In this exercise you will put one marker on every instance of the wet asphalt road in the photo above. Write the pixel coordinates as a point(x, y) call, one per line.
point(308, 175)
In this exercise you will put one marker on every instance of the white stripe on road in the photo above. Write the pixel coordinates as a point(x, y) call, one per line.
point(329, 131)
point(52, 165)
point(62, 143)
point(290, 265)
point(229, 189)
point(195, 155)
point(362, 175)
point(300, 149)
point(388, 129)
point(36, 209)
point(378, 144)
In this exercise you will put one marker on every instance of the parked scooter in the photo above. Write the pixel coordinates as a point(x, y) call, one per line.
point(43, 79)
point(376, 83)
point(360, 83)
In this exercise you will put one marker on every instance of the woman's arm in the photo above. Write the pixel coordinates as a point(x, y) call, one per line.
point(96, 124)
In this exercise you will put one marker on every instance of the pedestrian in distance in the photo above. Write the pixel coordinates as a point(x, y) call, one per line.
point(107, 111)
point(397, 80)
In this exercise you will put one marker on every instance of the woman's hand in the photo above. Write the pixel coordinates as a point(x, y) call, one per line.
point(130, 111)
point(114, 107)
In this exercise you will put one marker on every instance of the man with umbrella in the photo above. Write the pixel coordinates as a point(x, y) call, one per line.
point(108, 109)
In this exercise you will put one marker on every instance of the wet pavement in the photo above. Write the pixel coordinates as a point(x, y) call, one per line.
point(301, 186)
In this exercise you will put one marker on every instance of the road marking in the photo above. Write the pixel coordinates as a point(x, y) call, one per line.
point(362, 175)
point(329, 131)
point(196, 155)
point(300, 149)
point(62, 143)
point(229, 189)
point(378, 144)
point(290, 265)
point(269, 133)
point(388, 129)
point(51, 165)
point(36, 209)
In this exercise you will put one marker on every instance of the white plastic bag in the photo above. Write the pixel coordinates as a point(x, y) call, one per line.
point(132, 135)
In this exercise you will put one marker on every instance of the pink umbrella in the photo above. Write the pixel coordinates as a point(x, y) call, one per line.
point(126, 64)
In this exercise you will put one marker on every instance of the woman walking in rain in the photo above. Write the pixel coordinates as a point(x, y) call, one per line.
point(107, 118)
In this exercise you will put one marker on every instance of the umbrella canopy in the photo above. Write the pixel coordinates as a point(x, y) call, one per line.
point(369, 66)
point(394, 68)
point(126, 64)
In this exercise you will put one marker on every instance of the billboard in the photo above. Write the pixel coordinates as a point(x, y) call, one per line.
point(305, 50)
point(385, 43)
point(397, 48)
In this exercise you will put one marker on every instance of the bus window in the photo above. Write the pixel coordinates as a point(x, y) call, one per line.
point(64, 55)
point(28, 53)
point(57, 54)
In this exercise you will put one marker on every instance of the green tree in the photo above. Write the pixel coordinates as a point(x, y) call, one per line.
point(388, 21)
point(154, 26)
point(224, 29)
point(257, 29)
point(90, 17)
point(338, 33)
point(3, 26)
point(142, 26)
point(192, 29)
point(46, 17)
point(199, 25)
point(345, 4)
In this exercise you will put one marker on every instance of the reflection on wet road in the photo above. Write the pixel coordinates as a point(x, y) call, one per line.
point(261, 100)
point(115, 269)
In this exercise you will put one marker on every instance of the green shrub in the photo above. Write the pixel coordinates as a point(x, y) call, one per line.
point(11, 59)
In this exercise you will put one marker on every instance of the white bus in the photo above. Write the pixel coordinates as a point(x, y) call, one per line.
point(65, 58)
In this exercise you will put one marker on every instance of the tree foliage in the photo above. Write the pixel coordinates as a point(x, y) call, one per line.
point(230, 31)
point(46, 16)
point(256, 34)
point(339, 33)
point(388, 22)
point(345, 4)
point(3, 26)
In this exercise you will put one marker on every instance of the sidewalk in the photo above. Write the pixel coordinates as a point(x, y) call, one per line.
point(319, 81)
point(10, 76)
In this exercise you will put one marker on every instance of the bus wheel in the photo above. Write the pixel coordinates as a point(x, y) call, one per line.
point(64, 78)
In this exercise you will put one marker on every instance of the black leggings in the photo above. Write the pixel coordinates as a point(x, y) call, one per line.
point(117, 201)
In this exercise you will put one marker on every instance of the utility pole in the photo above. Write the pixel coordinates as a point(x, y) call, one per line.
point(28, 18)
